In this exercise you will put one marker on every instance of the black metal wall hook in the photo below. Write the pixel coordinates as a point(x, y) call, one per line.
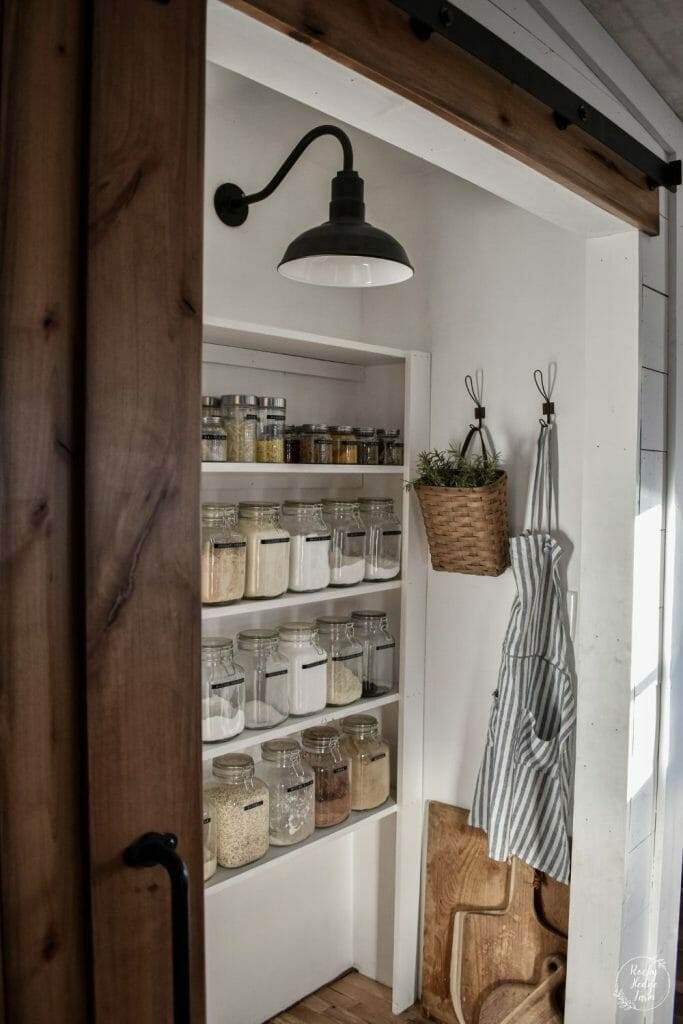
point(544, 392)
point(476, 393)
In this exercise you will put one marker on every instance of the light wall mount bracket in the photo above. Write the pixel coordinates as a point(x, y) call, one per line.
point(568, 108)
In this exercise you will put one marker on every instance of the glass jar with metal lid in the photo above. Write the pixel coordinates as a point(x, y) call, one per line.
point(344, 446)
point(315, 444)
point(241, 424)
point(292, 445)
point(291, 787)
point(214, 439)
point(267, 572)
point(386, 437)
point(209, 831)
point(344, 659)
point(223, 690)
point(383, 543)
point(368, 446)
point(393, 452)
point(224, 555)
point(211, 406)
point(266, 678)
point(370, 763)
point(239, 805)
point(371, 630)
point(347, 552)
point(307, 667)
point(270, 440)
point(322, 751)
point(309, 547)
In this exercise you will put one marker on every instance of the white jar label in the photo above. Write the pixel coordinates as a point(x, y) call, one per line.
point(300, 785)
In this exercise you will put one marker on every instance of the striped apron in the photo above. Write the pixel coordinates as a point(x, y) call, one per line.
point(523, 789)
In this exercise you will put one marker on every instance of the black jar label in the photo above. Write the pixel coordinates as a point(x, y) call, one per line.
point(213, 437)
point(340, 768)
point(347, 657)
point(230, 544)
point(207, 820)
point(275, 540)
point(280, 672)
point(391, 533)
point(251, 807)
point(300, 785)
point(324, 536)
point(378, 757)
point(315, 664)
point(228, 682)
point(385, 647)
point(356, 533)
point(273, 416)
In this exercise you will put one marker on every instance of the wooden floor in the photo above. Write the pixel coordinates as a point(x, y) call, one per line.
point(352, 999)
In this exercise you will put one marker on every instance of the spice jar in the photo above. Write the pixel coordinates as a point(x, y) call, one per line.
point(386, 437)
point(210, 862)
point(292, 445)
point(315, 444)
point(291, 787)
point(368, 446)
point(309, 546)
point(347, 552)
point(270, 440)
point(266, 678)
point(239, 805)
point(241, 424)
point(322, 750)
point(214, 439)
point(267, 572)
point(223, 691)
point(369, 756)
point(211, 406)
point(383, 543)
point(393, 452)
point(371, 630)
point(344, 446)
point(307, 667)
point(224, 555)
point(344, 659)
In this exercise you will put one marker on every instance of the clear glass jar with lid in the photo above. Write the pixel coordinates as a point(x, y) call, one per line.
point(223, 690)
point(224, 555)
point(291, 786)
point(209, 830)
point(322, 751)
point(309, 547)
point(266, 678)
point(214, 439)
point(241, 424)
point(368, 446)
point(383, 543)
point(315, 444)
point(270, 440)
point(371, 629)
point(344, 446)
point(344, 659)
point(370, 762)
point(211, 406)
point(385, 437)
point(393, 452)
point(307, 667)
point(292, 445)
point(267, 572)
point(347, 552)
point(239, 805)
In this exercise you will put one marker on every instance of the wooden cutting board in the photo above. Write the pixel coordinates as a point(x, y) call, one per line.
point(515, 1003)
point(459, 876)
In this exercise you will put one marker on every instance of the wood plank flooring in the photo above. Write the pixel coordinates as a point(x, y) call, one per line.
point(353, 999)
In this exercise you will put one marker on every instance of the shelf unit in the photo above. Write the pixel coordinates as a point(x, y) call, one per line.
point(292, 600)
point(299, 469)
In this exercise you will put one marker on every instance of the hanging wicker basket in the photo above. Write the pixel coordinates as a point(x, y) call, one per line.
point(467, 527)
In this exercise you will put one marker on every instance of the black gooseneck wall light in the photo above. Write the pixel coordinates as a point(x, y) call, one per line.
point(345, 251)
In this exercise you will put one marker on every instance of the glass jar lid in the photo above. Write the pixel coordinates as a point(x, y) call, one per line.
point(293, 505)
point(389, 431)
point(320, 738)
point(365, 432)
point(217, 512)
point(217, 644)
point(238, 400)
point(326, 622)
point(361, 726)
point(339, 505)
point(380, 502)
point(233, 767)
point(266, 402)
point(305, 630)
point(211, 400)
point(212, 421)
point(315, 428)
point(254, 509)
point(343, 429)
point(369, 615)
point(283, 752)
point(257, 639)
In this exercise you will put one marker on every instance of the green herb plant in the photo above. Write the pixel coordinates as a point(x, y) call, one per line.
point(452, 468)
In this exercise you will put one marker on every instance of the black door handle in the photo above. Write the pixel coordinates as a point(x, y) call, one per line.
point(150, 850)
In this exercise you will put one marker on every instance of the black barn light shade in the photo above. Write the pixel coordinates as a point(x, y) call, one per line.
point(345, 251)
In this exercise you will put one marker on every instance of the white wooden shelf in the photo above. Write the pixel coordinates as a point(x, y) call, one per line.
point(294, 724)
point(291, 600)
point(299, 468)
point(225, 877)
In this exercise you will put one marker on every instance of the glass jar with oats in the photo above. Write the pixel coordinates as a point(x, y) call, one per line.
point(270, 440)
point(241, 425)
point(239, 805)
point(370, 763)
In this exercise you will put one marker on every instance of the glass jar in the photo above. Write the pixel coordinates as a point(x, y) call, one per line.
point(270, 440)
point(292, 446)
point(371, 630)
point(344, 659)
point(322, 751)
point(307, 667)
point(315, 444)
point(393, 452)
point(291, 787)
point(211, 406)
point(267, 572)
point(223, 691)
point(368, 446)
point(370, 763)
point(344, 446)
point(385, 437)
point(224, 555)
point(241, 424)
point(347, 552)
point(383, 543)
point(210, 862)
point(239, 805)
point(309, 546)
point(266, 678)
point(214, 439)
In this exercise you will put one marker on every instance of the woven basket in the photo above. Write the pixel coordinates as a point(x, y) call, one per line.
point(467, 527)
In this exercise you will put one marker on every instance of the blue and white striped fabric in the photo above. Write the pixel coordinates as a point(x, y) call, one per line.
point(523, 789)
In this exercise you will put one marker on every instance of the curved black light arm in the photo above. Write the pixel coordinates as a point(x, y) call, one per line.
point(230, 202)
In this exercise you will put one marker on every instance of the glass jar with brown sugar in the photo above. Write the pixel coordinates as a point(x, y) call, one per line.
point(331, 767)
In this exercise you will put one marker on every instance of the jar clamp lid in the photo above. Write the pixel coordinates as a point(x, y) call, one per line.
point(238, 400)
point(361, 726)
point(320, 738)
point(368, 613)
point(265, 402)
point(233, 767)
point(298, 630)
point(217, 643)
point(283, 751)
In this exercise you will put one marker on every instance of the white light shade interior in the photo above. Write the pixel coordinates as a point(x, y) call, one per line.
point(346, 271)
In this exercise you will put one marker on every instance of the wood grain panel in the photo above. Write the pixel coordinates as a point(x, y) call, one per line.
point(142, 489)
point(43, 831)
point(374, 38)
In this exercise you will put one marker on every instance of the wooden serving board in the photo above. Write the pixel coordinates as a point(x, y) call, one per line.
point(515, 1003)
